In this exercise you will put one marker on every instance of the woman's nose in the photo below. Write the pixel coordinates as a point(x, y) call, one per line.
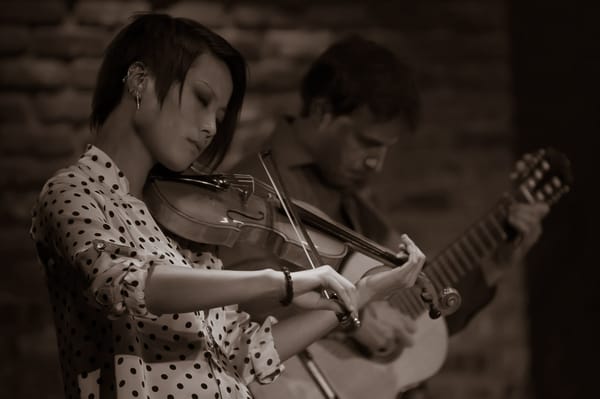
point(210, 128)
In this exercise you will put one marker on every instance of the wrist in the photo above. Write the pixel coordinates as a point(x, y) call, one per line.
point(274, 280)
point(365, 292)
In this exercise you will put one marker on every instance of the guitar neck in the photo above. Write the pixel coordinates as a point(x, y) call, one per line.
point(463, 255)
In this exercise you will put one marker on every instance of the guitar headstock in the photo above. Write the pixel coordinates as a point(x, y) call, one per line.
point(542, 176)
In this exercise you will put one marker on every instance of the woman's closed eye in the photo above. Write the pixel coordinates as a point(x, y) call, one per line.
point(204, 99)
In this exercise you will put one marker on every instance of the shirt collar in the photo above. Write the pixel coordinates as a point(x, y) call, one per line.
point(104, 170)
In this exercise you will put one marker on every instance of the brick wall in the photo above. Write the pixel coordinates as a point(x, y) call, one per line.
point(435, 185)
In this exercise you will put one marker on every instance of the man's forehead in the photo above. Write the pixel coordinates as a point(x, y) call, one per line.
point(369, 127)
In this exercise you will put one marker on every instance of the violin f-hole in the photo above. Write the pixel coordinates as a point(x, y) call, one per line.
point(259, 217)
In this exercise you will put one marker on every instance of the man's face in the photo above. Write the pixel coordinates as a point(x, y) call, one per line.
point(351, 148)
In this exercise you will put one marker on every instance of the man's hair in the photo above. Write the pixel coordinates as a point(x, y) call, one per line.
point(168, 46)
point(354, 72)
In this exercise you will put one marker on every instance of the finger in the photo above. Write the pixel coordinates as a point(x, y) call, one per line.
point(328, 304)
point(404, 336)
point(344, 292)
point(537, 210)
point(377, 334)
point(398, 320)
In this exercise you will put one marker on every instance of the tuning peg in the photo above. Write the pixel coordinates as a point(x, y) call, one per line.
point(539, 196)
point(538, 174)
point(545, 165)
point(556, 181)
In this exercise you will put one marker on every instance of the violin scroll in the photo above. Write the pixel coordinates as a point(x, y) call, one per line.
point(446, 302)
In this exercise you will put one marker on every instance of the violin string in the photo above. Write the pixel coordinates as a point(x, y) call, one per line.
point(362, 244)
point(288, 214)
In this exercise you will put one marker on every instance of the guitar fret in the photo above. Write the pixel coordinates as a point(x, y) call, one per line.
point(411, 302)
point(406, 302)
point(469, 253)
point(494, 230)
point(398, 301)
point(455, 259)
point(446, 266)
point(445, 277)
point(475, 241)
point(415, 293)
point(434, 276)
point(497, 227)
point(486, 238)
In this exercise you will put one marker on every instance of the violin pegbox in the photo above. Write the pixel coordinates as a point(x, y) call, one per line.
point(542, 176)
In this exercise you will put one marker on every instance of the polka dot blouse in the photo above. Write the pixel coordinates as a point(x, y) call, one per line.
point(97, 244)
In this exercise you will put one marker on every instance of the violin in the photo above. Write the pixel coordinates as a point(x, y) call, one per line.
point(223, 209)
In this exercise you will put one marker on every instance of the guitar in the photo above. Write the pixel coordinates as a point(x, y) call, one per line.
point(542, 177)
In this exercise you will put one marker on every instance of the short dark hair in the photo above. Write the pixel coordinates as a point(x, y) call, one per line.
point(168, 46)
point(356, 71)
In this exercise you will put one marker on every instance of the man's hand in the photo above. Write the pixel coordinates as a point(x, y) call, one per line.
point(527, 220)
point(385, 331)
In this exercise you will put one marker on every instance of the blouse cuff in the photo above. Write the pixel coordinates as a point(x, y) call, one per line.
point(265, 359)
point(118, 279)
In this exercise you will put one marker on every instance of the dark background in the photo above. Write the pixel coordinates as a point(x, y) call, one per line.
point(498, 78)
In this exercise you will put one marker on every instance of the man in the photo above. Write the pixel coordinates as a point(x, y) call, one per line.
point(358, 100)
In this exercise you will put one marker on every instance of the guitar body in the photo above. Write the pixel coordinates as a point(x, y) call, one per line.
point(353, 376)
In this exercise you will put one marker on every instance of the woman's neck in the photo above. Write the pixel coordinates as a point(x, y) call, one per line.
point(119, 140)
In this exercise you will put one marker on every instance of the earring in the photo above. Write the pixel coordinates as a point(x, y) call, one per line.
point(136, 80)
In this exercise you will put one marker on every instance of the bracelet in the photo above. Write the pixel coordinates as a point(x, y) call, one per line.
point(289, 287)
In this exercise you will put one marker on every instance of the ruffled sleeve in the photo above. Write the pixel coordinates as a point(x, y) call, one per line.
point(256, 357)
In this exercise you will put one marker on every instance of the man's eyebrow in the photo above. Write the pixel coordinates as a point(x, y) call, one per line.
point(375, 140)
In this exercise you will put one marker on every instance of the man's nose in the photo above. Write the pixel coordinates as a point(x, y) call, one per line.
point(371, 163)
point(374, 160)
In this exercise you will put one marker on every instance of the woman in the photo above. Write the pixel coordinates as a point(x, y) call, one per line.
point(136, 315)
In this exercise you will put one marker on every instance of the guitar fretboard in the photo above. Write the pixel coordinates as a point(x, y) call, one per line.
point(463, 255)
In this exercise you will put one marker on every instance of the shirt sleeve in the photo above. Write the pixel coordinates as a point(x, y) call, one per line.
point(252, 348)
point(68, 220)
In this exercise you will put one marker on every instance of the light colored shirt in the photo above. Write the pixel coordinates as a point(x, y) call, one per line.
point(98, 244)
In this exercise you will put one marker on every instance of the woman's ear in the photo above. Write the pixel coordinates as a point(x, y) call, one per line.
point(136, 81)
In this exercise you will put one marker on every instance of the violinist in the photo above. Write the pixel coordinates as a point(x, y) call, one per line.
point(357, 100)
point(136, 315)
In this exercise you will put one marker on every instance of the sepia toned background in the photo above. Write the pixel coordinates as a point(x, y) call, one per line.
point(497, 78)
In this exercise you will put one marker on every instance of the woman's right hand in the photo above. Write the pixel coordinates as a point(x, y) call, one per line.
point(309, 283)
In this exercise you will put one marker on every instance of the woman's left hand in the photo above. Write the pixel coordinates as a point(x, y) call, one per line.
point(379, 285)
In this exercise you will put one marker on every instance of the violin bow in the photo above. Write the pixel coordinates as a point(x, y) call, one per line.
point(347, 320)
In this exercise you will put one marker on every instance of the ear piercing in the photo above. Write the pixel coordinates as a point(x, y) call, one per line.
point(135, 80)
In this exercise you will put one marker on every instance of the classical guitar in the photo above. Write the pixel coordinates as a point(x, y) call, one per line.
point(542, 177)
